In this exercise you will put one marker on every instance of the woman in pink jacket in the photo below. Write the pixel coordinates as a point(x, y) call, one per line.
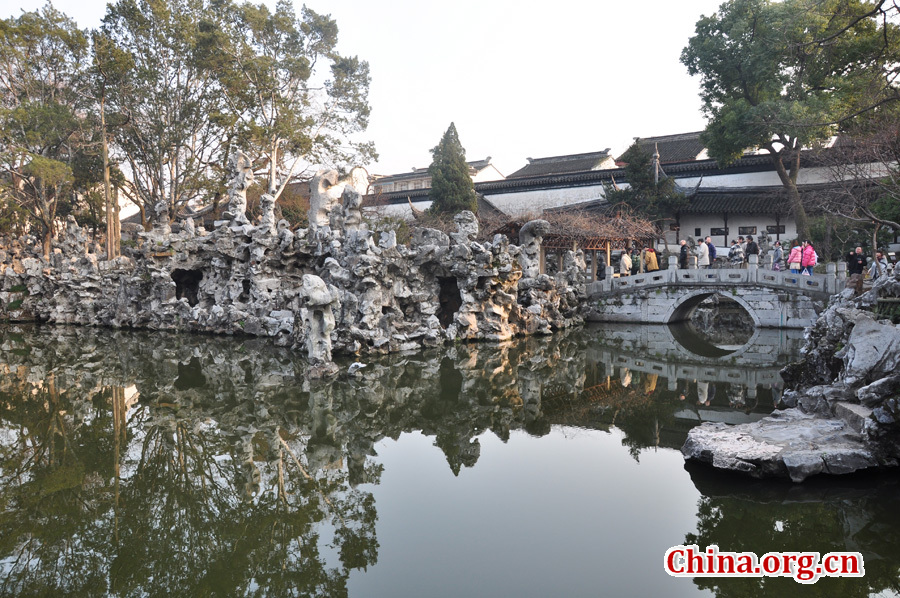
point(809, 258)
point(794, 257)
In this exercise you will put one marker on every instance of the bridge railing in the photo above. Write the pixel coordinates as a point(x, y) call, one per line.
point(816, 284)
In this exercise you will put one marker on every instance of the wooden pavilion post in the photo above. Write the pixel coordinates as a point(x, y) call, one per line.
point(608, 255)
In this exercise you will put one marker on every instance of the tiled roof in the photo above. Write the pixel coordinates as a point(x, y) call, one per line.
point(561, 164)
point(475, 166)
point(587, 178)
point(755, 200)
point(716, 200)
point(673, 148)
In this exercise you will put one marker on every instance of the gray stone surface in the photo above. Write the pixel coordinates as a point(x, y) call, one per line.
point(246, 279)
point(788, 443)
point(846, 393)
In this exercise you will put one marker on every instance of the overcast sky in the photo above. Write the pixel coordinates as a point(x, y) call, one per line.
point(519, 78)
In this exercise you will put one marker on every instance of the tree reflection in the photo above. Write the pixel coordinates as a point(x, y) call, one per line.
point(835, 515)
point(138, 464)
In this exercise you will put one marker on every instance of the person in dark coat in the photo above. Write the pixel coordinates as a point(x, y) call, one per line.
point(683, 256)
point(856, 262)
point(752, 249)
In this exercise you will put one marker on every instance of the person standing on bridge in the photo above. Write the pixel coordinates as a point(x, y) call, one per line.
point(752, 249)
point(777, 256)
point(625, 264)
point(683, 256)
point(736, 254)
point(712, 252)
point(648, 258)
point(702, 255)
point(808, 257)
point(794, 257)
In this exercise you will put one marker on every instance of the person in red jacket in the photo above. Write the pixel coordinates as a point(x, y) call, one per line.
point(808, 258)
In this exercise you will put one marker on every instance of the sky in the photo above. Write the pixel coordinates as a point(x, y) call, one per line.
point(519, 78)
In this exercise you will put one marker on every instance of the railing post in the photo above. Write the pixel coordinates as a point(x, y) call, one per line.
point(673, 262)
point(842, 270)
point(831, 277)
point(753, 264)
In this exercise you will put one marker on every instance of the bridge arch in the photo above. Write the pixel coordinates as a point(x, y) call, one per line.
point(682, 309)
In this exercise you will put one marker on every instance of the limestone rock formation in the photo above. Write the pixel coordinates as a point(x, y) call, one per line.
point(318, 304)
point(383, 296)
point(844, 404)
point(240, 172)
point(326, 190)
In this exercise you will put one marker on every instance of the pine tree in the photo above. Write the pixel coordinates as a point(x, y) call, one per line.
point(452, 189)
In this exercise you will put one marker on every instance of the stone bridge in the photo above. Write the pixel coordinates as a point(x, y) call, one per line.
point(772, 299)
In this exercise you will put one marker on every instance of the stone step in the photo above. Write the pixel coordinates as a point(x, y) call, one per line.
point(853, 413)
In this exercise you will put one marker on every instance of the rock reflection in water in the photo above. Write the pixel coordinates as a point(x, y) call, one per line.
point(722, 321)
point(190, 465)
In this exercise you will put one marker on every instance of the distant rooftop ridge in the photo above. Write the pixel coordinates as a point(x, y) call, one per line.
point(476, 165)
point(569, 157)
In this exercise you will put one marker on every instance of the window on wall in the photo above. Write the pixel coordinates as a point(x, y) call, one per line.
point(746, 230)
point(775, 230)
point(417, 185)
point(404, 186)
point(697, 232)
point(718, 232)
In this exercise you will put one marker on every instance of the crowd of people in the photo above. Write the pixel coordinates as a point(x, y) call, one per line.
point(799, 258)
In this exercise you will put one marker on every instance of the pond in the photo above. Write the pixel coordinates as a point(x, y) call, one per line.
point(151, 464)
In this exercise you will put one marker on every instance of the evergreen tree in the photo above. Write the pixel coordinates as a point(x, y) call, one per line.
point(452, 189)
point(42, 107)
point(660, 201)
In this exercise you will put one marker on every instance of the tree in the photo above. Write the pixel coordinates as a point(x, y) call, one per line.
point(783, 76)
point(647, 193)
point(452, 189)
point(293, 99)
point(109, 70)
point(41, 108)
point(864, 187)
point(168, 103)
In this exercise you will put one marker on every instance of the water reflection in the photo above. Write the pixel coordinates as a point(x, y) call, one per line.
point(190, 465)
point(844, 514)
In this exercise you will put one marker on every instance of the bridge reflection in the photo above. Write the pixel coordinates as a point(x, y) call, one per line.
point(645, 381)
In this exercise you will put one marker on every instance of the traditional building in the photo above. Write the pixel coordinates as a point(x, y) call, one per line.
point(418, 178)
point(538, 167)
point(682, 147)
point(745, 197)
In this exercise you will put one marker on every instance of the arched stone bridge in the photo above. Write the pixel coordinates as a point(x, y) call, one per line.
point(773, 299)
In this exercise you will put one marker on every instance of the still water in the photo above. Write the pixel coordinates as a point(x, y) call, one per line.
point(138, 464)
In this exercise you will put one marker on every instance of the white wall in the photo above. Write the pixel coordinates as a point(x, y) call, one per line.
point(399, 210)
point(770, 178)
point(489, 173)
point(705, 222)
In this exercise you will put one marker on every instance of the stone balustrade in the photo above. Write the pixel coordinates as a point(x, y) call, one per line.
point(816, 285)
